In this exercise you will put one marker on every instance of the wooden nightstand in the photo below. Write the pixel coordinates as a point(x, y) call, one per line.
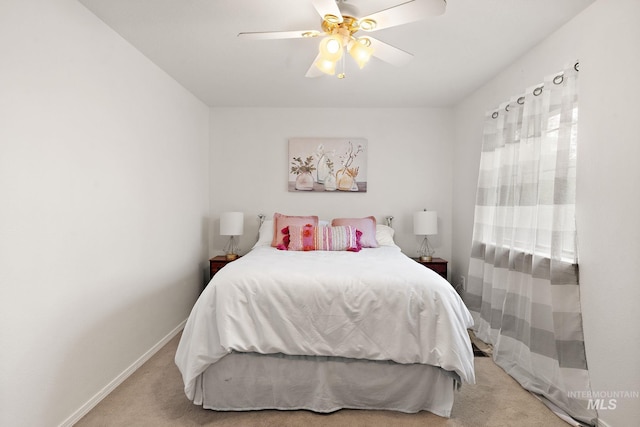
point(216, 263)
point(438, 265)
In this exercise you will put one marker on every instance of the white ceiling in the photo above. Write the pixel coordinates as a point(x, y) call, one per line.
point(195, 41)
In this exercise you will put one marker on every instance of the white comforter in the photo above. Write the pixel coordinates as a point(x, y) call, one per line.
point(375, 304)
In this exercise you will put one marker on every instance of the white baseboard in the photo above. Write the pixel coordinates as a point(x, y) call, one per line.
point(84, 409)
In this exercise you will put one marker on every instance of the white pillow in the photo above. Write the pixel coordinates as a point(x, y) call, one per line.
point(384, 235)
point(265, 234)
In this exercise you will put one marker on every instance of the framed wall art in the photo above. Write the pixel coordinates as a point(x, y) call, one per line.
point(328, 164)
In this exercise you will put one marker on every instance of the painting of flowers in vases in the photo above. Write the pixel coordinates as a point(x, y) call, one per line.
point(328, 164)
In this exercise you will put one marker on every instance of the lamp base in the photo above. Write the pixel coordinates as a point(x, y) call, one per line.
point(427, 258)
point(231, 257)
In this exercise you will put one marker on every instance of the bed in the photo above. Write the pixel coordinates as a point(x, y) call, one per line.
point(324, 330)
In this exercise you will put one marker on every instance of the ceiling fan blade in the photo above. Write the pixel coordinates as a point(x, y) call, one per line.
point(313, 71)
point(270, 35)
point(327, 7)
point(411, 11)
point(388, 53)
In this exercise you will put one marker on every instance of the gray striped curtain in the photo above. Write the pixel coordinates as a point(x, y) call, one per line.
point(523, 287)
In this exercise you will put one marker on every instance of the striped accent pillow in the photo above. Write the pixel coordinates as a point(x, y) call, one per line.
point(310, 238)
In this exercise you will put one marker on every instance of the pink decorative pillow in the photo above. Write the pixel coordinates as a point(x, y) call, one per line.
point(300, 238)
point(366, 225)
point(281, 221)
point(310, 238)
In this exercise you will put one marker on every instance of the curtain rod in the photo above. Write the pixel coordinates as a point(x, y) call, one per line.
point(558, 79)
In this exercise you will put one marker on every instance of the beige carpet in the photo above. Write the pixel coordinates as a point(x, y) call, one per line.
point(153, 396)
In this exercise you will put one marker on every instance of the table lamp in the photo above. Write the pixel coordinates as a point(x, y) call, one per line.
point(425, 223)
point(232, 225)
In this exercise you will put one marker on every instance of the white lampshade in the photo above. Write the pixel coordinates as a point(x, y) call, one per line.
point(231, 223)
point(425, 223)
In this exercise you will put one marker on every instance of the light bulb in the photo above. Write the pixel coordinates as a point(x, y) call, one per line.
point(331, 48)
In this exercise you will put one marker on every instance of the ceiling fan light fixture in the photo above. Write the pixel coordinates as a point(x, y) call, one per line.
point(339, 24)
point(361, 51)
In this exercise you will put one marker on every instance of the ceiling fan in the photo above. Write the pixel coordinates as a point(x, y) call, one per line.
point(339, 25)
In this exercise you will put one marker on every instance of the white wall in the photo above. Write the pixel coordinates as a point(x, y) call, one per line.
point(103, 208)
point(605, 39)
point(408, 167)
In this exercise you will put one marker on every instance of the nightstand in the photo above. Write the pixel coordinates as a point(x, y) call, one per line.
point(216, 263)
point(438, 265)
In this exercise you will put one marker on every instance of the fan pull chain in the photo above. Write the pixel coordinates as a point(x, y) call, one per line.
point(342, 75)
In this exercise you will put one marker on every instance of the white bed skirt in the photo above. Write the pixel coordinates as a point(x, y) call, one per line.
point(251, 381)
